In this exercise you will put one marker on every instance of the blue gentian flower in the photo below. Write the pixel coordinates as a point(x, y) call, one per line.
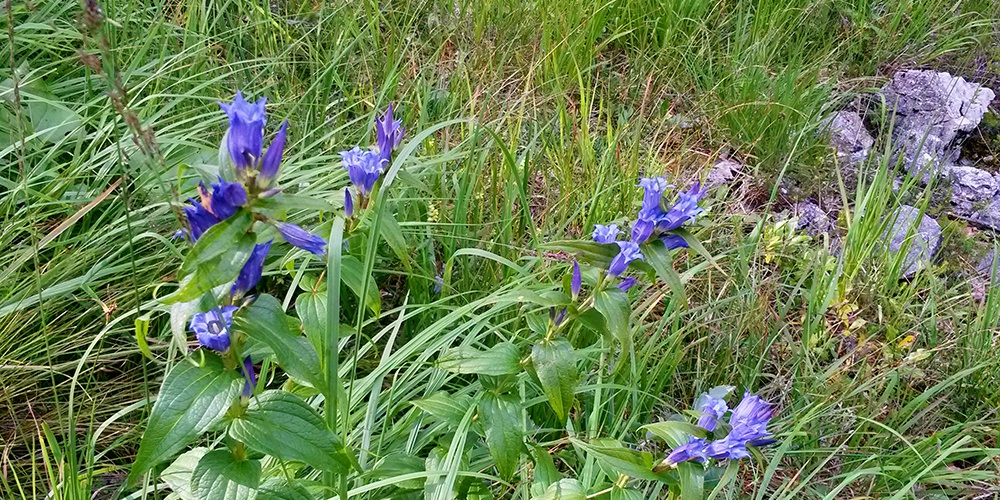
point(712, 405)
point(226, 198)
point(627, 252)
point(559, 317)
point(438, 284)
point(605, 234)
point(363, 167)
point(348, 203)
point(686, 209)
point(245, 137)
point(250, 274)
point(653, 189)
point(695, 449)
point(212, 327)
point(272, 158)
point(249, 376)
point(301, 238)
point(674, 241)
point(576, 282)
point(222, 202)
point(627, 284)
point(749, 428)
point(388, 134)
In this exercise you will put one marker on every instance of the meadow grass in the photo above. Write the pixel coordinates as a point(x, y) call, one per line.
point(887, 388)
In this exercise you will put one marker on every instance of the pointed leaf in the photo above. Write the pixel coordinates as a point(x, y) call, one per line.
point(501, 359)
point(279, 488)
point(218, 271)
point(614, 305)
point(280, 424)
point(219, 476)
point(191, 400)
point(501, 418)
point(177, 475)
point(447, 407)
point(659, 258)
point(616, 459)
point(266, 322)
point(545, 468)
point(565, 489)
point(675, 433)
point(353, 274)
point(555, 365)
point(218, 240)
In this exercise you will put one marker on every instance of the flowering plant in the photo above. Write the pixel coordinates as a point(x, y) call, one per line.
point(268, 387)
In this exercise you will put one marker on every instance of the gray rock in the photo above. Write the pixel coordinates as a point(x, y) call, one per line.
point(988, 216)
point(934, 113)
point(925, 239)
point(986, 263)
point(849, 137)
point(812, 219)
point(723, 172)
point(971, 189)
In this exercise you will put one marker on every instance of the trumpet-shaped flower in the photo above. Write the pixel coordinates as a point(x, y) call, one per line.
point(686, 209)
point(250, 274)
point(301, 238)
point(211, 327)
point(695, 449)
point(712, 405)
point(674, 241)
point(627, 252)
point(363, 167)
point(605, 234)
point(627, 284)
point(749, 428)
point(389, 134)
point(222, 202)
point(245, 137)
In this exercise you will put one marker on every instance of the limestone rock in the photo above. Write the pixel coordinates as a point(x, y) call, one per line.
point(724, 171)
point(971, 189)
point(934, 113)
point(812, 219)
point(926, 239)
point(849, 137)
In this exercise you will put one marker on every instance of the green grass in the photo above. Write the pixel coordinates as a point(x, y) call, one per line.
point(567, 104)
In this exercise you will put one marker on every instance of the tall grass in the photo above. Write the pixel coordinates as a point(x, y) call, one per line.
point(569, 103)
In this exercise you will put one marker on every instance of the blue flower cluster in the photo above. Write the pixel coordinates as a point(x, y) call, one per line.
point(651, 221)
point(365, 166)
point(747, 427)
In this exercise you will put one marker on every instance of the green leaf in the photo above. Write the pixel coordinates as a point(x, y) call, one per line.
point(565, 489)
point(555, 365)
point(614, 305)
point(290, 202)
point(545, 468)
point(697, 247)
point(399, 464)
point(219, 476)
point(191, 400)
point(266, 322)
point(627, 494)
point(447, 407)
point(282, 425)
point(218, 240)
point(501, 359)
point(501, 418)
point(311, 309)
point(393, 235)
point(692, 480)
point(221, 270)
point(590, 252)
point(659, 258)
point(675, 433)
point(177, 475)
point(280, 488)
point(616, 459)
point(353, 273)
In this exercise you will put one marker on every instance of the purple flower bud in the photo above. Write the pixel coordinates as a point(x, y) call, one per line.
point(560, 316)
point(627, 252)
point(627, 284)
point(226, 198)
point(212, 327)
point(348, 202)
point(249, 376)
point(250, 274)
point(577, 281)
point(674, 241)
point(712, 406)
point(272, 159)
point(438, 284)
point(301, 238)
point(605, 234)
point(245, 137)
